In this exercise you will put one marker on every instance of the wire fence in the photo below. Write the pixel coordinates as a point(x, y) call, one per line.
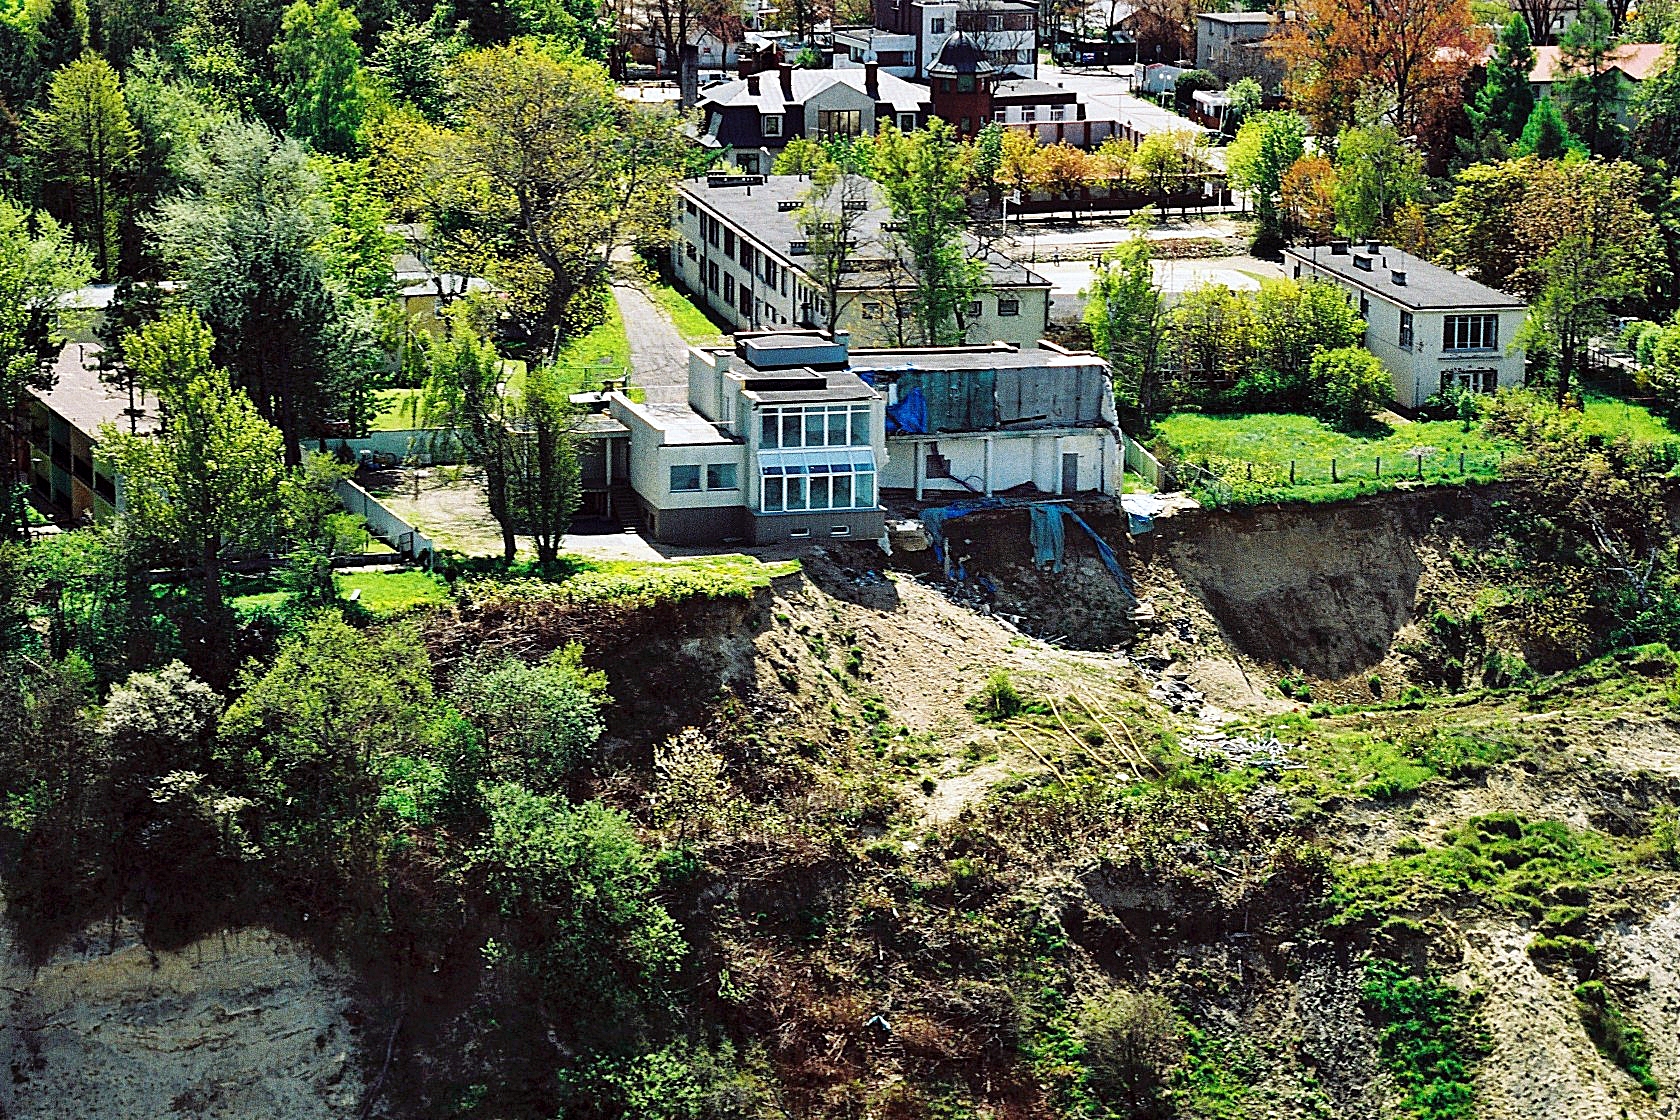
point(1223, 481)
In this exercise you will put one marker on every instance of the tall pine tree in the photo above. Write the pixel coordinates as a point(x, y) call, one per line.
point(1506, 99)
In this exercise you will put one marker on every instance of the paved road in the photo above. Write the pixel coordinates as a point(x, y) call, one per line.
point(658, 354)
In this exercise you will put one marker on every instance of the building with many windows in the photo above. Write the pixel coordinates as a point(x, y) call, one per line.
point(916, 31)
point(742, 252)
point(755, 116)
point(1432, 328)
point(58, 435)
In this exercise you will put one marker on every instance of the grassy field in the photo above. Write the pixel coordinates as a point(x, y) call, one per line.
point(691, 322)
point(381, 593)
point(1263, 457)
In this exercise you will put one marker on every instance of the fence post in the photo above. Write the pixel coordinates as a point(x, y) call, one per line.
point(1461, 464)
point(1379, 466)
point(1420, 468)
point(1333, 477)
point(1291, 472)
point(1251, 471)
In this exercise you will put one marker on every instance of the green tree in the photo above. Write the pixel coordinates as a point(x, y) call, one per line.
point(63, 30)
point(548, 174)
point(357, 247)
point(1506, 99)
point(581, 930)
point(1132, 1041)
point(538, 722)
point(320, 71)
point(1209, 340)
point(1126, 314)
point(922, 174)
point(543, 489)
point(413, 58)
point(1293, 321)
point(1376, 174)
point(86, 143)
point(133, 305)
point(801, 156)
point(1349, 386)
point(38, 265)
point(173, 125)
point(467, 381)
point(248, 241)
point(1266, 146)
point(1656, 114)
point(830, 213)
point(212, 477)
point(1592, 90)
point(1546, 135)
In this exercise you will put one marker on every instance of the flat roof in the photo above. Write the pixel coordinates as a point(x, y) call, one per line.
point(682, 425)
point(1237, 17)
point(86, 402)
point(758, 210)
point(1428, 286)
point(967, 358)
point(839, 385)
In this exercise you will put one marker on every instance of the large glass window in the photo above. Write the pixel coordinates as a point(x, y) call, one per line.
point(685, 479)
point(1470, 332)
point(721, 476)
point(792, 481)
point(834, 425)
point(838, 122)
point(1406, 329)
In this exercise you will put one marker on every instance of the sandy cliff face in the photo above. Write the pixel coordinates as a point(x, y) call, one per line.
point(247, 1024)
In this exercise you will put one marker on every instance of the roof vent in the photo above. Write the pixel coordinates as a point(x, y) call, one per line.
point(1361, 261)
point(1339, 247)
point(783, 205)
point(1398, 275)
point(1373, 247)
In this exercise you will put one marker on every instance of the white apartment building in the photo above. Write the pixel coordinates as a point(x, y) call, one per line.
point(1431, 327)
point(741, 251)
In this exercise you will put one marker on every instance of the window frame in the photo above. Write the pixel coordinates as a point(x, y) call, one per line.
point(1008, 308)
point(1469, 333)
point(770, 124)
point(672, 481)
point(1407, 337)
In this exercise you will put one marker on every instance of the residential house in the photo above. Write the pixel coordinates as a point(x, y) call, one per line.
point(792, 435)
point(1233, 45)
point(990, 419)
point(779, 441)
point(54, 448)
point(741, 250)
point(969, 92)
point(1005, 30)
point(1432, 328)
point(754, 117)
point(1636, 61)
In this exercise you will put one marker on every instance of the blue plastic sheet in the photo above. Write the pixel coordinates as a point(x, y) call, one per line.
point(910, 414)
point(1047, 536)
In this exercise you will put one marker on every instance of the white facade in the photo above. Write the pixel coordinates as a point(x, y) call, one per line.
point(1426, 345)
point(987, 462)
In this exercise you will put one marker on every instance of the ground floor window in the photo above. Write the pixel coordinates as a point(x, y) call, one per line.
point(1475, 380)
point(792, 482)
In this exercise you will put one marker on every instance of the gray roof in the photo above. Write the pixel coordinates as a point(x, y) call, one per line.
point(1031, 87)
point(995, 356)
point(760, 214)
point(86, 402)
point(1237, 17)
point(903, 96)
point(1428, 287)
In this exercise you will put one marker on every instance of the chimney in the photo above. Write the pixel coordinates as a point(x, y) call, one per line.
point(1338, 247)
point(1398, 275)
point(786, 71)
point(743, 65)
point(752, 85)
point(872, 80)
point(1373, 247)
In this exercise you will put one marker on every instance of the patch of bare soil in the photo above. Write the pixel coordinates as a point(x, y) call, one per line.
point(1543, 1066)
point(1644, 960)
point(243, 1025)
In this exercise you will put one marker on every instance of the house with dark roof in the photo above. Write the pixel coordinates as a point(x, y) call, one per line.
point(1433, 328)
point(910, 34)
point(1234, 45)
point(742, 251)
point(969, 91)
point(754, 117)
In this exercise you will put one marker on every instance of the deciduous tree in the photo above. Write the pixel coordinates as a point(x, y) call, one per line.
point(212, 477)
point(922, 174)
point(1266, 146)
point(1126, 314)
point(321, 81)
point(1307, 198)
point(1376, 174)
point(1415, 52)
point(86, 143)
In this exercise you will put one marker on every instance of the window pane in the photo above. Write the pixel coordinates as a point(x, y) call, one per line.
point(768, 430)
point(685, 478)
point(720, 476)
point(842, 491)
point(837, 428)
point(790, 429)
point(860, 427)
point(796, 493)
point(814, 428)
point(772, 501)
point(865, 491)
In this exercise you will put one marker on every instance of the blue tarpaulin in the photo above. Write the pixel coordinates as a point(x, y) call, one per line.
point(910, 414)
point(1047, 540)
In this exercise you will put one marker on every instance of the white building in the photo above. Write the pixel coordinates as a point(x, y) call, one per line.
point(741, 251)
point(1431, 327)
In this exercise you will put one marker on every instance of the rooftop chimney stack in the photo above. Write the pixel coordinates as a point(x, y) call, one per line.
point(1373, 247)
point(786, 71)
point(752, 85)
point(743, 64)
point(872, 80)
point(1399, 276)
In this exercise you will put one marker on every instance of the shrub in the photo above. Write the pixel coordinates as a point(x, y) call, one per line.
point(1427, 1040)
point(999, 699)
point(1351, 386)
point(1132, 1043)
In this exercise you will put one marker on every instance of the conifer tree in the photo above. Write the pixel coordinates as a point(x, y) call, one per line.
point(1504, 102)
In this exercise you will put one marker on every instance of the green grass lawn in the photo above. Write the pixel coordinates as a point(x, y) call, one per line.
point(398, 411)
point(603, 352)
point(633, 583)
point(1252, 454)
point(381, 593)
point(696, 327)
